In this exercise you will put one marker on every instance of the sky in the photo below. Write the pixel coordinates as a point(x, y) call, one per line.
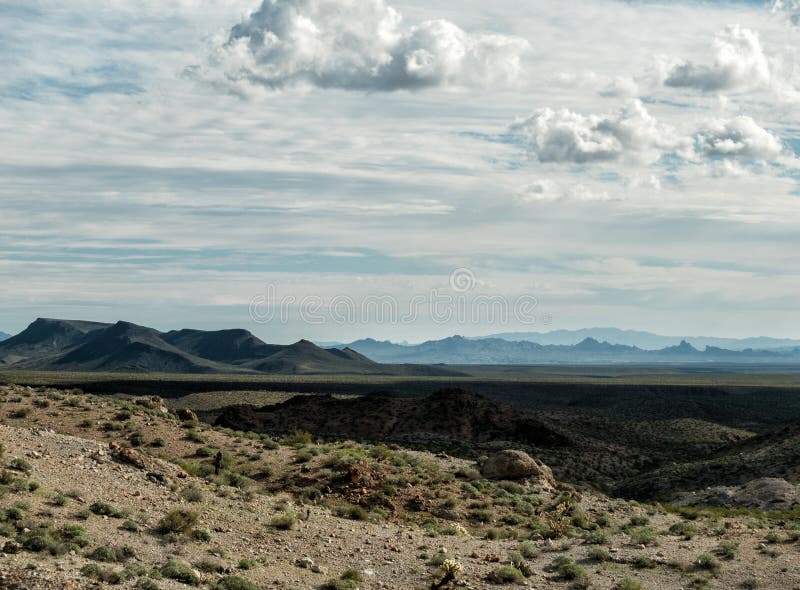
point(233, 163)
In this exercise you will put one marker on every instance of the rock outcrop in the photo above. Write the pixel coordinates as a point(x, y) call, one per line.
point(511, 464)
point(767, 493)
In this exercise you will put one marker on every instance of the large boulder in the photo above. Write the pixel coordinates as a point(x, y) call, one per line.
point(767, 493)
point(186, 415)
point(152, 402)
point(511, 464)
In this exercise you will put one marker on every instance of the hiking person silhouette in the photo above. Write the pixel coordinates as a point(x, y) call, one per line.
point(217, 462)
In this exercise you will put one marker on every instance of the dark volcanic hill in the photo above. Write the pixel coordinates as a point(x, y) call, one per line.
point(45, 337)
point(225, 346)
point(772, 454)
point(69, 345)
point(451, 415)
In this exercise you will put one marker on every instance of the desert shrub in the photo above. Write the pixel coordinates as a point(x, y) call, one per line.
point(772, 538)
point(201, 535)
point(352, 512)
point(303, 456)
point(147, 584)
point(506, 574)
point(708, 562)
point(21, 465)
point(569, 570)
point(58, 499)
point(299, 438)
point(247, 564)
point(43, 538)
point(181, 572)
point(598, 554)
point(233, 583)
point(683, 529)
point(596, 538)
point(74, 534)
point(194, 436)
point(628, 584)
point(283, 522)
point(106, 554)
point(130, 525)
point(644, 536)
point(644, 563)
point(727, 549)
point(137, 439)
point(639, 521)
point(86, 423)
point(19, 413)
point(160, 443)
point(204, 452)
point(178, 521)
point(213, 566)
point(105, 509)
point(528, 549)
point(192, 493)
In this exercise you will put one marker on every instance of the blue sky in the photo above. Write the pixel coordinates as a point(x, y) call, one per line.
point(626, 163)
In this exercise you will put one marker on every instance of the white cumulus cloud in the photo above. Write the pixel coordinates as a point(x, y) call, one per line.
point(360, 45)
point(630, 133)
point(739, 61)
point(740, 137)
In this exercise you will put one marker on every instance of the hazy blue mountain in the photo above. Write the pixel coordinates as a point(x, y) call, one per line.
point(4, 336)
point(457, 350)
point(646, 340)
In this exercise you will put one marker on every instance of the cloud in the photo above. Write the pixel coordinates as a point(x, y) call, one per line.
point(740, 137)
point(739, 61)
point(360, 45)
point(789, 8)
point(546, 190)
point(621, 86)
point(564, 136)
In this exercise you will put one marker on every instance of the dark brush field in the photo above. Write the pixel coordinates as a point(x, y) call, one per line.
point(636, 431)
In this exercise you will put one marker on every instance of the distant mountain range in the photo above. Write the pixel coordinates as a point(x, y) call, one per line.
point(75, 345)
point(4, 336)
point(646, 340)
point(457, 350)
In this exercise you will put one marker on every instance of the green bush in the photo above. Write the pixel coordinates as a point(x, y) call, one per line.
point(629, 584)
point(644, 536)
point(247, 564)
point(147, 584)
point(708, 562)
point(21, 465)
point(105, 509)
point(175, 570)
point(569, 570)
point(192, 493)
point(201, 535)
point(599, 554)
point(130, 525)
point(352, 512)
point(727, 549)
point(284, 522)
point(105, 554)
point(233, 583)
point(178, 521)
point(684, 529)
point(506, 574)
